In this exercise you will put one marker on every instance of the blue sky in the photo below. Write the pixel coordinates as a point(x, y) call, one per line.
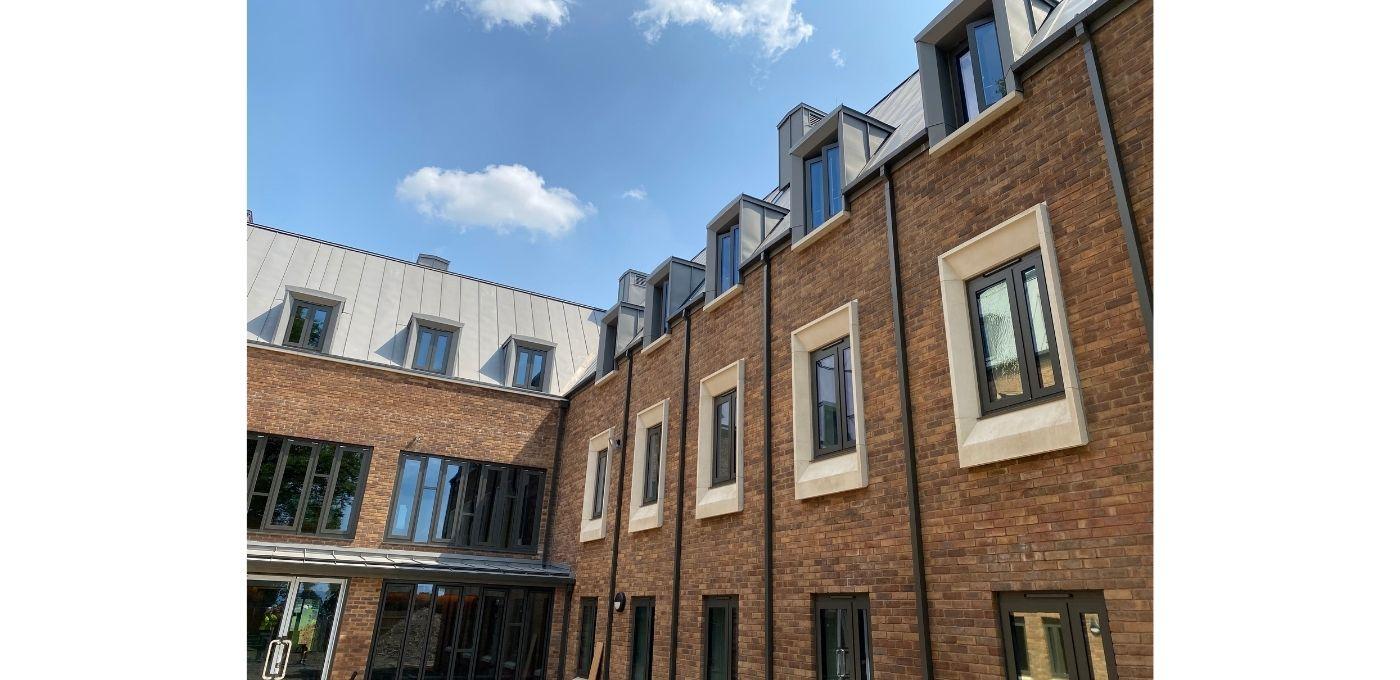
point(544, 144)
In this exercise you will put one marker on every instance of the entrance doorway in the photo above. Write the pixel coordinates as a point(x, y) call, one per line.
point(291, 626)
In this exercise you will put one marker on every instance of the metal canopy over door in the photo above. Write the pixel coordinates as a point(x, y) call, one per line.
point(291, 626)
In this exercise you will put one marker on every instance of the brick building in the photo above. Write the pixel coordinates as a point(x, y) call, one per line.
point(894, 420)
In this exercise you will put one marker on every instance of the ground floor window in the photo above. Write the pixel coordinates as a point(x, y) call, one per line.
point(721, 638)
point(643, 621)
point(1056, 636)
point(442, 631)
point(843, 637)
point(587, 624)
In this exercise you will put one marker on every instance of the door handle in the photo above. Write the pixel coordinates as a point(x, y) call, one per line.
point(286, 658)
point(270, 662)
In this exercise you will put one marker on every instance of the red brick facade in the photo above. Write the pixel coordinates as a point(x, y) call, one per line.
point(1075, 519)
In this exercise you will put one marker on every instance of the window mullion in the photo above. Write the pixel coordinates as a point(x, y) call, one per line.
point(275, 489)
point(1025, 335)
point(329, 494)
point(417, 497)
point(976, 68)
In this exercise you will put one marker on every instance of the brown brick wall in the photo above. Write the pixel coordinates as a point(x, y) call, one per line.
point(1077, 519)
point(305, 396)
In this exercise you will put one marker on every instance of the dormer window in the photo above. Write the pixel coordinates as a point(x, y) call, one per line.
point(310, 325)
point(824, 184)
point(728, 257)
point(432, 344)
point(979, 77)
point(529, 368)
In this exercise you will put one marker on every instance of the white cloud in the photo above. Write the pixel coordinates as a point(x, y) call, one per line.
point(519, 13)
point(773, 22)
point(837, 59)
point(636, 193)
point(502, 197)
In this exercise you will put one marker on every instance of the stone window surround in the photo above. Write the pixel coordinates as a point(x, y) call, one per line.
point(290, 293)
point(1037, 428)
point(591, 529)
point(711, 501)
point(639, 517)
point(842, 471)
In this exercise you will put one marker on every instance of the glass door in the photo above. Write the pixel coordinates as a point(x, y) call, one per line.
point(291, 626)
point(843, 637)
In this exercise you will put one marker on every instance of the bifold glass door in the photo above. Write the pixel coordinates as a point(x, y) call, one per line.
point(432, 631)
point(291, 626)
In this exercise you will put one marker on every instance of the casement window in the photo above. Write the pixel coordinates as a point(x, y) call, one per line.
point(722, 471)
point(432, 349)
point(842, 629)
point(660, 314)
point(466, 504)
point(824, 185)
point(1010, 357)
point(828, 405)
point(727, 242)
point(595, 487)
point(607, 348)
point(979, 77)
point(652, 469)
point(719, 467)
point(587, 624)
point(1014, 334)
point(1055, 636)
point(600, 472)
point(648, 467)
point(529, 368)
point(304, 486)
point(833, 402)
point(451, 630)
point(309, 326)
point(643, 621)
point(721, 638)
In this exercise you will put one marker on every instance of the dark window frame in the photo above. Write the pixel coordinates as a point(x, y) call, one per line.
point(732, 455)
point(651, 466)
point(832, 202)
point(727, 242)
point(659, 313)
point(959, 84)
point(587, 629)
point(338, 452)
point(730, 605)
point(510, 595)
point(1071, 606)
point(846, 440)
point(599, 502)
point(854, 605)
point(505, 504)
point(530, 352)
point(640, 604)
point(433, 333)
point(304, 342)
point(1011, 273)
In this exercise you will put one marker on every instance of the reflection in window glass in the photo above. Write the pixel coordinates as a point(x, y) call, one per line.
point(993, 81)
point(832, 156)
point(1039, 646)
point(722, 469)
point(342, 503)
point(600, 483)
point(427, 500)
point(288, 500)
point(1093, 637)
point(652, 471)
point(403, 501)
point(848, 401)
point(828, 414)
point(1001, 361)
point(1040, 336)
point(968, 86)
point(816, 191)
point(587, 621)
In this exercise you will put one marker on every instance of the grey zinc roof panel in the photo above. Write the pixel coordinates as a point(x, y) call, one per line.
point(904, 109)
point(1063, 15)
point(382, 294)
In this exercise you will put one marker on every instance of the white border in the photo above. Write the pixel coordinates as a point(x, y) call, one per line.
point(840, 472)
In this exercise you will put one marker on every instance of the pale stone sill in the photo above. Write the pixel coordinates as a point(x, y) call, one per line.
point(723, 297)
point(606, 378)
point(833, 474)
point(656, 343)
point(826, 227)
point(591, 530)
point(645, 517)
point(975, 125)
point(1042, 428)
point(719, 500)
